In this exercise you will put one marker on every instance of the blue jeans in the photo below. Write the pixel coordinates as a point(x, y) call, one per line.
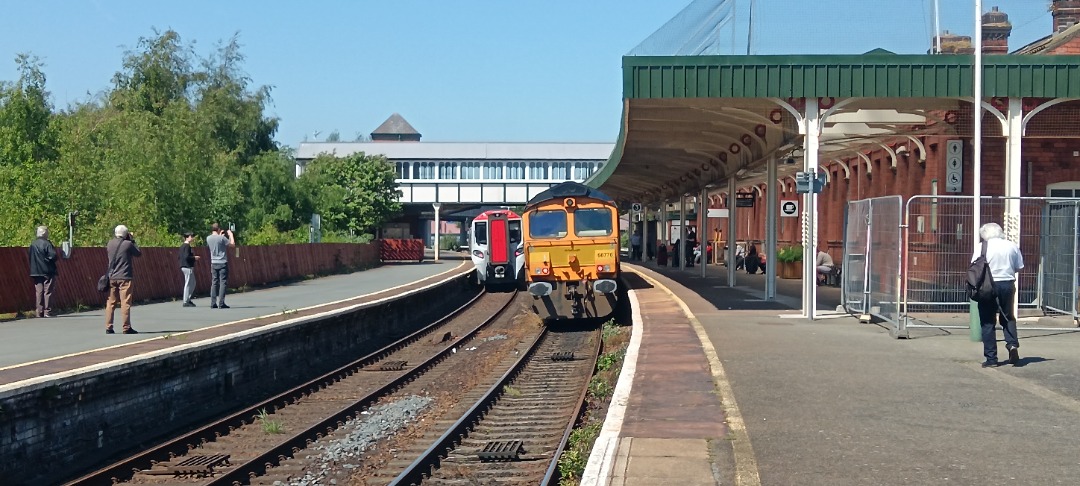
point(219, 279)
point(989, 312)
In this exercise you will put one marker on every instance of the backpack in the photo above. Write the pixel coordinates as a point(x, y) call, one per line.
point(980, 283)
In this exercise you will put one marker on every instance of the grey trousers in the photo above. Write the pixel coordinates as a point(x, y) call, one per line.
point(43, 290)
point(189, 283)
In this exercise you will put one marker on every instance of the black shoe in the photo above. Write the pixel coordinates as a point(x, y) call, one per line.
point(130, 331)
point(990, 364)
point(213, 306)
point(222, 306)
point(189, 304)
point(109, 330)
point(1014, 356)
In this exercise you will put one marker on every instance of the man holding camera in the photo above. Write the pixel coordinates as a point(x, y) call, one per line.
point(121, 250)
point(219, 242)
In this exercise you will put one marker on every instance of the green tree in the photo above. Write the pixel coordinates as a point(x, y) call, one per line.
point(354, 194)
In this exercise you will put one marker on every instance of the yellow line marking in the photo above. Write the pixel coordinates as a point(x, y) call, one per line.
point(174, 335)
point(746, 469)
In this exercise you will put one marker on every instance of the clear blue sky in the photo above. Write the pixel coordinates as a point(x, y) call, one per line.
point(456, 70)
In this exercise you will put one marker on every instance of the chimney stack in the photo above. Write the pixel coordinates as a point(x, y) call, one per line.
point(1066, 13)
point(995, 32)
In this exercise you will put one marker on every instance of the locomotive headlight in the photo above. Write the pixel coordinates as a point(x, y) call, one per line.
point(478, 254)
point(599, 268)
point(519, 252)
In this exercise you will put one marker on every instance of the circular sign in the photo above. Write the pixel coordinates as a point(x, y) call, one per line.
point(789, 208)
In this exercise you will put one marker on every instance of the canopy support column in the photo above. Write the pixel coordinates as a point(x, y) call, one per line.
point(1014, 137)
point(703, 229)
point(812, 120)
point(771, 223)
point(681, 248)
point(731, 228)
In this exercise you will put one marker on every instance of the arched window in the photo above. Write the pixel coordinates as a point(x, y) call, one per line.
point(447, 169)
point(560, 171)
point(515, 170)
point(402, 170)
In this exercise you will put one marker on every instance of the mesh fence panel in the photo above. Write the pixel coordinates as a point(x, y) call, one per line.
point(940, 242)
point(884, 261)
point(855, 251)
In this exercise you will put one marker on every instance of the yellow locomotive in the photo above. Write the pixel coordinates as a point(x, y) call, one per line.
point(571, 243)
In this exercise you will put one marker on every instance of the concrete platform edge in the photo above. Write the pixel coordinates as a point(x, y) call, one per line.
point(46, 380)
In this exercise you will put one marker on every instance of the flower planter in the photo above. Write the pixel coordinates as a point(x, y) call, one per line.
point(789, 270)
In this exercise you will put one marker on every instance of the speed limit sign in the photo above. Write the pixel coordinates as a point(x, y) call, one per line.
point(789, 208)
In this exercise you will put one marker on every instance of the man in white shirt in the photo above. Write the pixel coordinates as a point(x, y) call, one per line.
point(1004, 259)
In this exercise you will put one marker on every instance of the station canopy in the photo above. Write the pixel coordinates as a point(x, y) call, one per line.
point(693, 119)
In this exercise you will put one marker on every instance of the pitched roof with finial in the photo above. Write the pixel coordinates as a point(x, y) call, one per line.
point(395, 125)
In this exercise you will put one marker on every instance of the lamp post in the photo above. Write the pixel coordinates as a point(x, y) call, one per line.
point(976, 186)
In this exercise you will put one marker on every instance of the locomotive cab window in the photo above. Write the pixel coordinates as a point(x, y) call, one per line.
point(515, 231)
point(481, 233)
point(592, 222)
point(547, 224)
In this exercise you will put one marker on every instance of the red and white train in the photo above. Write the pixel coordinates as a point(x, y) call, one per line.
point(496, 248)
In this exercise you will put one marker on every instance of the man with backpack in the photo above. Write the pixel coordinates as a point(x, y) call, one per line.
point(1003, 260)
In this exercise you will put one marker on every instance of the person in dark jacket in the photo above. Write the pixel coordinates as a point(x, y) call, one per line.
point(121, 250)
point(43, 271)
point(187, 267)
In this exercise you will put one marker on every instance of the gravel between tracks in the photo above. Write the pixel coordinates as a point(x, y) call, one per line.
point(374, 424)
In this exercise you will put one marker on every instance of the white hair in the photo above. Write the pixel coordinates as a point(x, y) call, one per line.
point(42, 231)
point(991, 230)
point(121, 231)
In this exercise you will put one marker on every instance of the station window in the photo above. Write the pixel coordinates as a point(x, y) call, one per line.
point(560, 171)
point(447, 169)
point(492, 170)
point(1063, 189)
point(547, 224)
point(538, 171)
point(515, 170)
point(470, 170)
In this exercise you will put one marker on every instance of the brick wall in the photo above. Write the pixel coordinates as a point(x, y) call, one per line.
point(157, 272)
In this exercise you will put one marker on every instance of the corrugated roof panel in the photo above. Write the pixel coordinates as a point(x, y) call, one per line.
point(875, 75)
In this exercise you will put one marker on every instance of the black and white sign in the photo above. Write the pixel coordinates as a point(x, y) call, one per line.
point(954, 166)
point(789, 208)
point(636, 207)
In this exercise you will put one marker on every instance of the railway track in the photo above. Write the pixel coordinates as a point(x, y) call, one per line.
point(513, 431)
point(245, 445)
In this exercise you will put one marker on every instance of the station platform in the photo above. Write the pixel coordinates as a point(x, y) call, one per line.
point(720, 386)
point(33, 348)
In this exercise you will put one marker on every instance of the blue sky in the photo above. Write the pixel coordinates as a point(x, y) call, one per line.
point(456, 70)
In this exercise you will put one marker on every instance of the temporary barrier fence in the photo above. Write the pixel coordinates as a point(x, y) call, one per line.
point(871, 284)
point(933, 248)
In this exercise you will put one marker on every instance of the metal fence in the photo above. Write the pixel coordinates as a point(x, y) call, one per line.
point(872, 258)
point(902, 278)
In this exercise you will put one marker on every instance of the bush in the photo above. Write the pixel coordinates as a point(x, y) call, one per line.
point(789, 254)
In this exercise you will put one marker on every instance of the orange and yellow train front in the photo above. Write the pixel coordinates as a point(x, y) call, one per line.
point(571, 254)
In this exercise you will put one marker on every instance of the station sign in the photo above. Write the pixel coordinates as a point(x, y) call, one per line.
point(954, 166)
point(789, 208)
point(744, 199)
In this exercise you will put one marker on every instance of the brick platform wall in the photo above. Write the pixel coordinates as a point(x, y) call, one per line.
point(75, 424)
